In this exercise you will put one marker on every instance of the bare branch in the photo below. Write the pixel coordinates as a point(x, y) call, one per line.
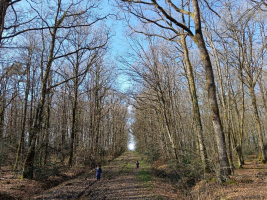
point(141, 2)
point(83, 73)
point(52, 27)
point(180, 10)
point(211, 9)
point(172, 19)
point(87, 48)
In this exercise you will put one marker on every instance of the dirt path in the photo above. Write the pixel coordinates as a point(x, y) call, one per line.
point(120, 183)
point(120, 180)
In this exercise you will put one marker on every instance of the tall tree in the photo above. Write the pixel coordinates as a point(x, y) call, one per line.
point(164, 17)
point(63, 20)
point(250, 57)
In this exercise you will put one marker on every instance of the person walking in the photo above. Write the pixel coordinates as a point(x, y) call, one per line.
point(137, 164)
point(98, 172)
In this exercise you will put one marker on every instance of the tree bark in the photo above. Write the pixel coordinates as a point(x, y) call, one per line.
point(73, 117)
point(64, 127)
point(225, 170)
point(2, 112)
point(262, 157)
point(3, 8)
point(196, 112)
point(47, 128)
point(27, 90)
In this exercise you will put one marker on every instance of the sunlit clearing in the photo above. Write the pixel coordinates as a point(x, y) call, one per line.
point(131, 146)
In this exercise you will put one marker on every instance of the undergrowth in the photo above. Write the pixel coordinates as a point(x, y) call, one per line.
point(144, 176)
point(187, 171)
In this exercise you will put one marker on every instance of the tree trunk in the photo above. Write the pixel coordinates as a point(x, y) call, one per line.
point(74, 109)
point(2, 118)
point(63, 126)
point(2, 113)
point(258, 124)
point(47, 129)
point(27, 90)
point(225, 170)
point(263, 98)
point(241, 125)
point(3, 8)
point(196, 112)
point(29, 160)
point(73, 125)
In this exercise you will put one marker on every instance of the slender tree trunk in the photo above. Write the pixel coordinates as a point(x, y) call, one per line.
point(72, 136)
point(196, 112)
point(2, 112)
point(230, 135)
point(63, 126)
point(225, 106)
point(220, 138)
point(21, 141)
point(263, 98)
point(29, 160)
point(91, 125)
point(238, 134)
point(97, 111)
point(258, 124)
point(168, 128)
point(73, 121)
point(3, 8)
point(47, 129)
point(241, 125)
point(2, 118)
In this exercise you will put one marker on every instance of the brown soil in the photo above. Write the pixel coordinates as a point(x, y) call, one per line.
point(121, 180)
point(125, 182)
point(11, 187)
point(250, 182)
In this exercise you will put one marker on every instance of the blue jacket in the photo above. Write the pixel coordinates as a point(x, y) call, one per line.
point(98, 171)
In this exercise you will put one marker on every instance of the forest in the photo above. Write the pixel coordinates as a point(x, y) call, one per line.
point(195, 77)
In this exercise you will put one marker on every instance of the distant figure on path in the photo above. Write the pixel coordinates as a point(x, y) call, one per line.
point(137, 164)
point(98, 172)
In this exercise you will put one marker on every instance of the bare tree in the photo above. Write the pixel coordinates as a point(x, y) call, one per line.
point(164, 18)
point(250, 59)
point(61, 17)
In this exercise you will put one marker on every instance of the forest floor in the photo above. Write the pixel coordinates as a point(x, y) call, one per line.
point(250, 182)
point(121, 180)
